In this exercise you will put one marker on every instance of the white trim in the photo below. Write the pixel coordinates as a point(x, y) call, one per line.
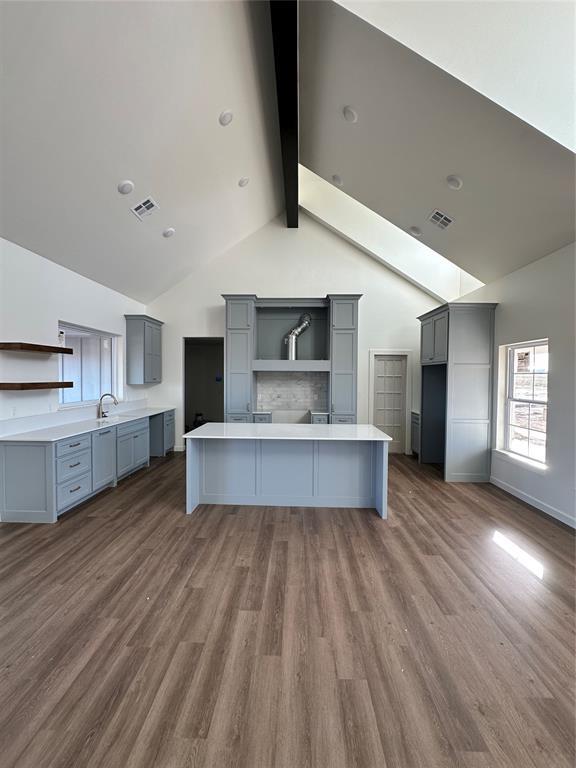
point(408, 354)
point(534, 502)
point(520, 461)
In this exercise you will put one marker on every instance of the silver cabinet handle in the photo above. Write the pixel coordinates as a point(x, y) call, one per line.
point(248, 407)
point(73, 490)
point(106, 433)
point(71, 466)
point(73, 445)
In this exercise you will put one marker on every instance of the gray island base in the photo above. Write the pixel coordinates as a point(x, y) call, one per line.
point(300, 465)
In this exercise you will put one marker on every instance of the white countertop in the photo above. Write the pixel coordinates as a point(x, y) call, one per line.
point(63, 431)
point(355, 432)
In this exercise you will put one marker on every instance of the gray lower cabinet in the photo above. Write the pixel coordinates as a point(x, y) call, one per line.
point(143, 350)
point(317, 417)
point(415, 432)
point(103, 458)
point(132, 447)
point(162, 433)
point(262, 417)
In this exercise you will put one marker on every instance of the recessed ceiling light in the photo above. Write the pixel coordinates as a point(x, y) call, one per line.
point(243, 182)
point(125, 187)
point(350, 115)
point(226, 117)
point(416, 231)
point(168, 232)
point(337, 180)
point(454, 182)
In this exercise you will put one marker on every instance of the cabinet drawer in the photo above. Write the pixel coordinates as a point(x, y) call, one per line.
point(73, 465)
point(238, 419)
point(262, 418)
point(319, 418)
point(74, 491)
point(73, 445)
point(342, 420)
point(169, 416)
point(132, 426)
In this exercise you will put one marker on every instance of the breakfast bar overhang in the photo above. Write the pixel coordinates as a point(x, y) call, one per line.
point(301, 465)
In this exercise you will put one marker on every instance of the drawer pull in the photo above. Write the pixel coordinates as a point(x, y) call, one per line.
point(106, 433)
point(73, 490)
point(71, 466)
point(73, 445)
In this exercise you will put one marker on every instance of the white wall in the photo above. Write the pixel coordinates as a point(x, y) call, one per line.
point(34, 295)
point(537, 302)
point(304, 262)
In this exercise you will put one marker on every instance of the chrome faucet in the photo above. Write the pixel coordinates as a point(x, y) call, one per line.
point(102, 414)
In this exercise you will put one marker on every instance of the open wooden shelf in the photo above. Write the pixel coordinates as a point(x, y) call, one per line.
point(22, 346)
point(19, 385)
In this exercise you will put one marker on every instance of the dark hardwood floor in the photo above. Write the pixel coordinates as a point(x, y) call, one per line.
point(132, 636)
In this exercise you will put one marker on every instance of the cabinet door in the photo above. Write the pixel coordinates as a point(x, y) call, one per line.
point(441, 338)
point(343, 378)
point(427, 341)
point(169, 434)
point(103, 458)
point(141, 442)
point(124, 454)
point(344, 313)
point(239, 372)
point(239, 314)
point(148, 353)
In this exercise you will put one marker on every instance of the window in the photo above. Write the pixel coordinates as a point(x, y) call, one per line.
point(526, 399)
point(92, 367)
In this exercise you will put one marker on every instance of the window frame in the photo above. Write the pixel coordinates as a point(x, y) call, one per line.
point(510, 400)
point(116, 365)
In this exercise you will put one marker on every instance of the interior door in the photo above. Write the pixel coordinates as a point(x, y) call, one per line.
point(390, 399)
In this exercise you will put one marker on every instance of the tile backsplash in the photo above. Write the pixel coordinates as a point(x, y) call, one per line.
point(278, 391)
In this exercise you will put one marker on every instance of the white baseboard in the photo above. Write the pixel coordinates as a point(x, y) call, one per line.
point(541, 505)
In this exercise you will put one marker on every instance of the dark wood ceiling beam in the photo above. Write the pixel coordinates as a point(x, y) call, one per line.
point(284, 18)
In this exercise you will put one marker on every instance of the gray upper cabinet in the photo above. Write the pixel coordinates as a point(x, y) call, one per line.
point(457, 386)
point(143, 350)
point(239, 355)
point(434, 339)
point(344, 313)
point(344, 358)
point(103, 458)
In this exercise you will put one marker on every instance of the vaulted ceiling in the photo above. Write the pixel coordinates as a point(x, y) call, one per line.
point(94, 93)
point(97, 92)
point(413, 125)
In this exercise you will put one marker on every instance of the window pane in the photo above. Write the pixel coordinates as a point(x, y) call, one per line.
point(522, 386)
point(520, 414)
point(541, 386)
point(537, 447)
point(538, 415)
point(71, 370)
point(519, 440)
point(541, 359)
point(105, 365)
point(523, 359)
point(90, 367)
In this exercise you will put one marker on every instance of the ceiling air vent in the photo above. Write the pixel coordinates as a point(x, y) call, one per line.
point(441, 220)
point(145, 208)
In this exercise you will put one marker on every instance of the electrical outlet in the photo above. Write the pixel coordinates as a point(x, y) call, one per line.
point(13, 411)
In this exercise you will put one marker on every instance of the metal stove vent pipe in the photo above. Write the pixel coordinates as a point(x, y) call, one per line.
point(304, 322)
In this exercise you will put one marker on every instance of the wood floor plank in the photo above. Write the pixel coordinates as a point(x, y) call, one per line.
point(134, 636)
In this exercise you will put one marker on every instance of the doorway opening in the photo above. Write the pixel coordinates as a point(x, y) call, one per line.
point(390, 396)
point(203, 380)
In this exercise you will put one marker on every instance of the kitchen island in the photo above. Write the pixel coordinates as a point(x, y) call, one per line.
point(302, 465)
